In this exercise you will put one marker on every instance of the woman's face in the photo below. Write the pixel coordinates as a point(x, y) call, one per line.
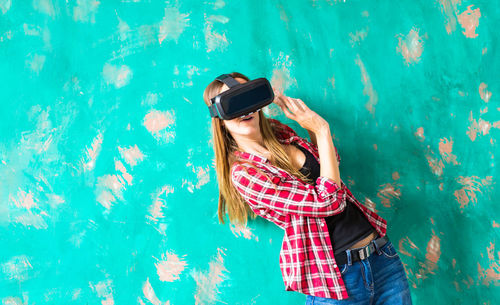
point(238, 126)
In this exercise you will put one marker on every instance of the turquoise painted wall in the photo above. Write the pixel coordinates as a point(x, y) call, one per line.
point(108, 191)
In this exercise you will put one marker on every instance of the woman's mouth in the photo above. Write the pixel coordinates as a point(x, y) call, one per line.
point(248, 118)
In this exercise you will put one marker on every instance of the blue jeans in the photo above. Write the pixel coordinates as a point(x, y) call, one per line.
point(378, 279)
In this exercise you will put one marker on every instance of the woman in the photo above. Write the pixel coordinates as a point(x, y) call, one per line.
point(334, 250)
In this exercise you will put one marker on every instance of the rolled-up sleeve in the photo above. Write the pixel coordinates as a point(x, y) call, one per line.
point(289, 196)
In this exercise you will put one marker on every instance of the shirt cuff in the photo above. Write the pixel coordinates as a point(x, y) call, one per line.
point(327, 186)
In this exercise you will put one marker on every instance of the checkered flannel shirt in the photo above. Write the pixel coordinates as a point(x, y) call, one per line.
point(306, 258)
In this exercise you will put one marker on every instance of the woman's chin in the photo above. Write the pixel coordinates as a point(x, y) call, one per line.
point(248, 129)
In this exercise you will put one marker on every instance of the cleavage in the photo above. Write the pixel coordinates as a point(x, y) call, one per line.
point(300, 148)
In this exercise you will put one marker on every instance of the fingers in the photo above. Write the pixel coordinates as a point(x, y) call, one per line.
point(277, 98)
point(297, 104)
point(284, 105)
point(284, 102)
point(289, 105)
point(288, 113)
point(301, 104)
point(277, 95)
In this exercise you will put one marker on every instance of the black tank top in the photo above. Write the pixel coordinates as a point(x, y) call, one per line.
point(347, 227)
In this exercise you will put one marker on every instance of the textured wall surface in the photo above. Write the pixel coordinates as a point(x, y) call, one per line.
point(108, 193)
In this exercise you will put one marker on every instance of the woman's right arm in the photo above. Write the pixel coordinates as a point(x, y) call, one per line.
point(288, 196)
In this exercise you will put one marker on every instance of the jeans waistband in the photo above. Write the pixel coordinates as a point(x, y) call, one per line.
point(357, 254)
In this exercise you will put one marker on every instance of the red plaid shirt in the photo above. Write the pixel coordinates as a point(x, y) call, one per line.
point(307, 261)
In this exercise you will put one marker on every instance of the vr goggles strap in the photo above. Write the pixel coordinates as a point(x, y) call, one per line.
point(228, 80)
point(213, 111)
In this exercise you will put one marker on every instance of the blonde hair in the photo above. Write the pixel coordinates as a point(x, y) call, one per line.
point(230, 200)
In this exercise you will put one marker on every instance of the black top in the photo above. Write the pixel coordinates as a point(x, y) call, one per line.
point(349, 226)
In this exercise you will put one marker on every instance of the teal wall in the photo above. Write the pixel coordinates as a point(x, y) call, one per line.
point(108, 193)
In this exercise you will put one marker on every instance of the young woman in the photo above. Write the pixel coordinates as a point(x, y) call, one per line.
point(334, 250)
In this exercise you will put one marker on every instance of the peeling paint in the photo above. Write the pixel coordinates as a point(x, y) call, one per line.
point(108, 188)
point(208, 282)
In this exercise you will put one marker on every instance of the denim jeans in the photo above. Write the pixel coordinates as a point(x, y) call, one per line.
point(378, 279)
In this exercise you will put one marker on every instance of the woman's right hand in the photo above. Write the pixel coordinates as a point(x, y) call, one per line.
point(297, 110)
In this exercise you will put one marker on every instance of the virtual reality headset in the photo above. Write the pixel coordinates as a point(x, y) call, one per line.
point(241, 99)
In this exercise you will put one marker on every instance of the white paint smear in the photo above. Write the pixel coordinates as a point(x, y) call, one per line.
point(169, 267)
point(131, 154)
point(118, 76)
point(207, 283)
point(91, 153)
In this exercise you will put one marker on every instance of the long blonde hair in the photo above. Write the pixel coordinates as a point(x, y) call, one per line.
point(224, 146)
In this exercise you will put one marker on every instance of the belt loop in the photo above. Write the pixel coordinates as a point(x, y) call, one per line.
point(376, 246)
point(349, 261)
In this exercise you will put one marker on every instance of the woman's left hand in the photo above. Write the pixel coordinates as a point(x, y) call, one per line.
point(297, 110)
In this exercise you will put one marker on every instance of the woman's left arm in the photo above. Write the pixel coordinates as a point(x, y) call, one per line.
point(286, 131)
point(315, 146)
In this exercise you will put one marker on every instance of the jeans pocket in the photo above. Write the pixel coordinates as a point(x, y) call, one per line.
point(343, 268)
point(388, 250)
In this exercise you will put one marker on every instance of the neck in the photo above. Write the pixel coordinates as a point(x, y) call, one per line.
point(251, 144)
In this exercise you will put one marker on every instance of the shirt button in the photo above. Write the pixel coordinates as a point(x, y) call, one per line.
point(322, 224)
